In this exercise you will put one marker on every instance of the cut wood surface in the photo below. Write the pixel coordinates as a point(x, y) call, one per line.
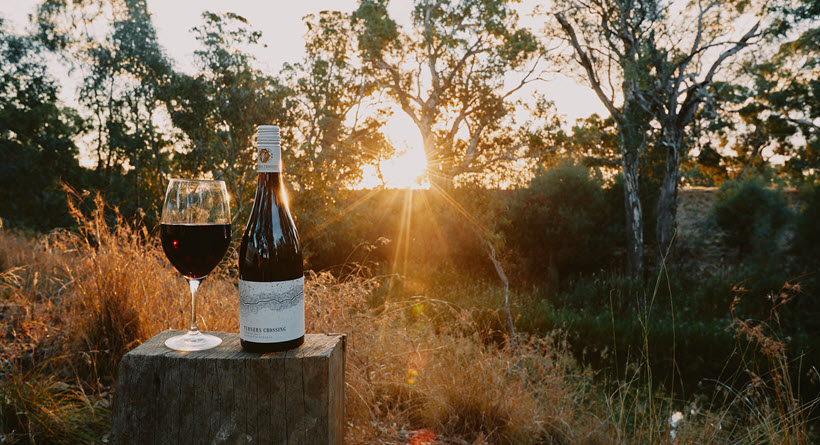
point(226, 395)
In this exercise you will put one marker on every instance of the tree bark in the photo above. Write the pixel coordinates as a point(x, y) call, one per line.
point(438, 168)
point(631, 129)
point(634, 215)
point(668, 199)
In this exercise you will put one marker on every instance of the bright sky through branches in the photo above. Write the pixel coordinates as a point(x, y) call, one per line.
point(282, 33)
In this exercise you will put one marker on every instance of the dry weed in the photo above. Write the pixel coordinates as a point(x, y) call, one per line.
point(419, 370)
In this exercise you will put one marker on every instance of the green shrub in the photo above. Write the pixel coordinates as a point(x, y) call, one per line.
point(806, 236)
point(426, 231)
point(566, 221)
point(750, 215)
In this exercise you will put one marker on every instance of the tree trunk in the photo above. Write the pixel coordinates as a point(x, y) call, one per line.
point(632, 140)
point(437, 167)
point(668, 200)
point(634, 215)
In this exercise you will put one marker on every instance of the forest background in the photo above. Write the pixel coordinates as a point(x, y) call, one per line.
point(666, 246)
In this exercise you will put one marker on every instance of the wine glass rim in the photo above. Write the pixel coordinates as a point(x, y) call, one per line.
point(195, 180)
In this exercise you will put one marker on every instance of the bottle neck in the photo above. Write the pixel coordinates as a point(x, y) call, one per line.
point(271, 181)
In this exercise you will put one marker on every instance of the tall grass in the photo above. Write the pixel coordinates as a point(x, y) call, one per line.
point(419, 369)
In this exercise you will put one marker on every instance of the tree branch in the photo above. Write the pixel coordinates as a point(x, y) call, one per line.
point(587, 64)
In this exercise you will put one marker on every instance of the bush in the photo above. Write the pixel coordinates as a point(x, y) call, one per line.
point(426, 231)
point(806, 236)
point(565, 222)
point(750, 215)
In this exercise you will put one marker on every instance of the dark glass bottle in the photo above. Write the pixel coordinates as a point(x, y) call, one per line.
point(271, 280)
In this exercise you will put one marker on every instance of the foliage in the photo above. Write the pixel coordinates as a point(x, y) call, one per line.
point(465, 49)
point(36, 132)
point(398, 230)
point(326, 151)
point(564, 223)
point(750, 215)
point(807, 237)
point(124, 71)
point(219, 108)
point(595, 141)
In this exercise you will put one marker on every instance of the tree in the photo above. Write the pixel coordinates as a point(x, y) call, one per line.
point(768, 112)
point(124, 70)
point(682, 82)
point(335, 122)
point(219, 108)
point(447, 73)
point(609, 52)
point(335, 119)
point(779, 103)
point(594, 143)
point(36, 133)
point(667, 67)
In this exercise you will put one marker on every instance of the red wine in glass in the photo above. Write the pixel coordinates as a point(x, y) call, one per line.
point(195, 249)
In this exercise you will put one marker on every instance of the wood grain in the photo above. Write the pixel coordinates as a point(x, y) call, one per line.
point(228, 396)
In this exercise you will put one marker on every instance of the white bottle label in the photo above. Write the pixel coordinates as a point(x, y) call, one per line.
point(269, 159)
point(271, 311)
point(270, 153)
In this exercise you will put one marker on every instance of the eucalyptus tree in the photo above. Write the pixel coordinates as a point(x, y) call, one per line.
point(779, 102)
point(335, 119)
point(667, 63)
point(114, 45)
point(683, 69)
point(450, 72)
point(334, 109)
point(36, 132)
point(218, 108)
point(607, 39)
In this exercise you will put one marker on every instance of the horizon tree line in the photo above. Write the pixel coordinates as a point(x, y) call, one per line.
point(684, 84)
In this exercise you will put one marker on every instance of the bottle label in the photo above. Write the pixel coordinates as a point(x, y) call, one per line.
point(271, 311)
point(268, 161)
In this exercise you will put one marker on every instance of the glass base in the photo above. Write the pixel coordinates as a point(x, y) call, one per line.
point(193, 341)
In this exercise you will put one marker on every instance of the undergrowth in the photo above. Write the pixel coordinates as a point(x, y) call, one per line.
point(428, 368)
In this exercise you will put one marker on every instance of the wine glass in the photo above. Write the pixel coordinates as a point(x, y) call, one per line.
point(195, 230)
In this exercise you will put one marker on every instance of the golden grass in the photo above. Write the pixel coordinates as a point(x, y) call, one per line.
point(419, 370)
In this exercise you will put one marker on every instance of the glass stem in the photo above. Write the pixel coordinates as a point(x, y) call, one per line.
point(193, 283)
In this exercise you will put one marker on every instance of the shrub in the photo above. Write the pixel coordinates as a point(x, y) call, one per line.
point(806, 236)
point(427, 232)
point(750, 215)
point(565, 221)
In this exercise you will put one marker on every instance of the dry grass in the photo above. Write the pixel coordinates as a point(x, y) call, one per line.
point(37, 407)
point(419, 370)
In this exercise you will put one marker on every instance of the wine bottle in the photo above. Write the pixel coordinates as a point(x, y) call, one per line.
point(271, 280)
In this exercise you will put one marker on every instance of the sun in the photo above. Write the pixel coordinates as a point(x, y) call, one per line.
point(407, 168)
point(405, 171)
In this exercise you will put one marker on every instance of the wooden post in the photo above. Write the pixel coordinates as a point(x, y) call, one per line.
point(228, 396)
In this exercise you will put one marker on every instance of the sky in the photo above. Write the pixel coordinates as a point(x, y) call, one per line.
point(282, 32)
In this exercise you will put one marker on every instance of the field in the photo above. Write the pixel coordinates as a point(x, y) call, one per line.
point(422, 367)
point(563, 222)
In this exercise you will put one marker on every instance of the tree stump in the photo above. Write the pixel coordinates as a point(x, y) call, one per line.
point(228, 396)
